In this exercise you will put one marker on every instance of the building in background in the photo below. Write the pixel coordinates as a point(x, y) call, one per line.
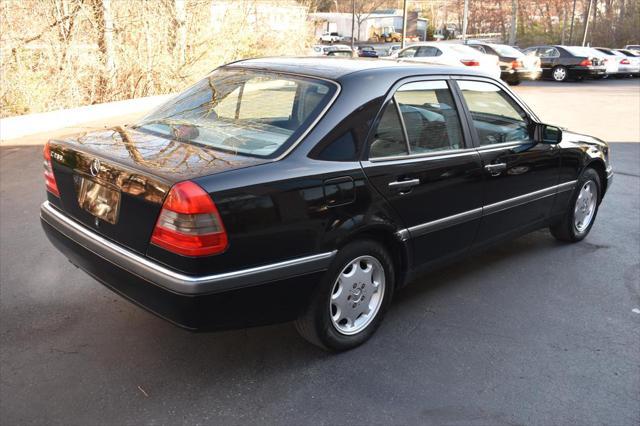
point(369, 23)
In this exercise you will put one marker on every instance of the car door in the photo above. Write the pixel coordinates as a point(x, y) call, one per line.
point(520, 174)
point(421, 160)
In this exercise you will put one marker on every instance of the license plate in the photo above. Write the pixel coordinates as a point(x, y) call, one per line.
point(98, 199)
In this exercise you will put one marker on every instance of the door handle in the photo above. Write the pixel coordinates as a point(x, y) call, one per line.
point(404, 185)
point(496, 169)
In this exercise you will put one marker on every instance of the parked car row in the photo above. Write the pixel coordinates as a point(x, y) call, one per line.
point(556, 62)
point(562, 63)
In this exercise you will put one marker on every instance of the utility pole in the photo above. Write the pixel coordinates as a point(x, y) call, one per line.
point(514, 22)
point(573, 18)
point(353, 25)
point(586, 24)
point(404, 25)
point(465, 19)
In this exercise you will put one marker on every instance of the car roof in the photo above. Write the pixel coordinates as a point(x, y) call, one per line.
point(334, 68)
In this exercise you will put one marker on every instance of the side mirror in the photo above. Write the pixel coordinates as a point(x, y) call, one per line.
point(545, 133)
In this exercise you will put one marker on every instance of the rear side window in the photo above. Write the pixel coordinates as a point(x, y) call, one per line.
point(430, 116)
point(388, 139)
point(408, 53)
point(430, 119)
point(497, 118)
point(245, 112)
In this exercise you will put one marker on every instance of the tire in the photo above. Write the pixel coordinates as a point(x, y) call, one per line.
point(323, 324)
point(559, 73)
point(570, 228)
point(513, 82)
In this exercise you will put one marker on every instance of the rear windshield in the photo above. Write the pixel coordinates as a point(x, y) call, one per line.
point(582, 51)
point(504, 50)
point(245, 112)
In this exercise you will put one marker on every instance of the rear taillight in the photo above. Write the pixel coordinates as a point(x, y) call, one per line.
point(625, 61)
point(516, 64)
point(470, 62)
point(189, 223)
point(49, 178)
point(585, 63)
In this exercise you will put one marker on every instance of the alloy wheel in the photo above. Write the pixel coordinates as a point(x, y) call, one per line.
point(357, 295)
point(585, 206)
point(559, 74)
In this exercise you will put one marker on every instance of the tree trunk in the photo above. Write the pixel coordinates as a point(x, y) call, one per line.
point(180, 31)
point(104, 21)
point(514, 22)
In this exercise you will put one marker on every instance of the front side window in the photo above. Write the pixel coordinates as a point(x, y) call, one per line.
point(430, 116)
point(497, 118)
point(245, 112)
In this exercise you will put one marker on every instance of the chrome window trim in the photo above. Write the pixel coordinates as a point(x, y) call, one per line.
point(437, 155)
point(177, 282)
point(503, 145)
point(459, 218)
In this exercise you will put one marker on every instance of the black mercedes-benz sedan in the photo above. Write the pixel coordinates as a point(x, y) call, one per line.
point(312, 189)
point(562, 63)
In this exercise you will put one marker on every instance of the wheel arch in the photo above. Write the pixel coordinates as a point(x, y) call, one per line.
point(600, 168)
point(388, 238)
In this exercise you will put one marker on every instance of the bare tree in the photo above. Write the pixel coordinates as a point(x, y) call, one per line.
point(180, 31)
point(104, 22)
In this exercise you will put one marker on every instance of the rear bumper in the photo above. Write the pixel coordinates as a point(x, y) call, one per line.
point(521, 74)
point(262, 295)
point(587, 71)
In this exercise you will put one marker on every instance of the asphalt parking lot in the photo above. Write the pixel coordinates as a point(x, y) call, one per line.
point(531, 332)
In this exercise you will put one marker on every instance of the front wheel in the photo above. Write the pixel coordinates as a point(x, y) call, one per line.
point(350, 301)
point(560, 73)
point(583, 208)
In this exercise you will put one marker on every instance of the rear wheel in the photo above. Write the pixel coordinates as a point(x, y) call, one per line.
point(348, 305)
point(583, 208)
point(559, 73)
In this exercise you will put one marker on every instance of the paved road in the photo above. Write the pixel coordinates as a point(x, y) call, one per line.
point(532, 332)
point(608, 109)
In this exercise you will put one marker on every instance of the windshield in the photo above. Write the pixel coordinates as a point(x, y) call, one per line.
point(504, 50)
point(246, 112)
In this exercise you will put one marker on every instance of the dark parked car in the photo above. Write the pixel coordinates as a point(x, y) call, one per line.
point(312, 190)
point(563, 63)
point(515, 66)
point(367, 52)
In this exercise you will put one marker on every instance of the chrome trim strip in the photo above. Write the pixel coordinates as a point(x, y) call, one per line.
point(445, 222)
point(176, 282)
point(456, 219)
point(503, 145)
point(449, 153)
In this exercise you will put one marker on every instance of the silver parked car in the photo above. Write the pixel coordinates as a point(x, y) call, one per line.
point(633, 57)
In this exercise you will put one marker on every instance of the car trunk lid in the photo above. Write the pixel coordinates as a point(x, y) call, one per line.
point(115, 181)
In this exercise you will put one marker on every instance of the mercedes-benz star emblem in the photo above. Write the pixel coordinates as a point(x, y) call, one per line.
point(94, 168)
